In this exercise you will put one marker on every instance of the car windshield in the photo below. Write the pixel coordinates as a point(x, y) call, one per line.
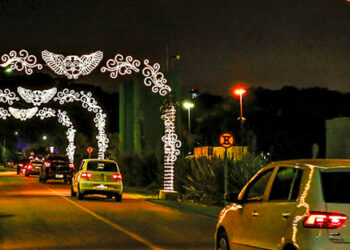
point(102, 166)
point(334, 184)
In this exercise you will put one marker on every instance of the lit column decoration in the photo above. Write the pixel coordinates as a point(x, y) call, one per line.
point(72, 66)
point(22, 61)
point(154, 76)
point(171, 147)
point(89, 103)
point(119, 66)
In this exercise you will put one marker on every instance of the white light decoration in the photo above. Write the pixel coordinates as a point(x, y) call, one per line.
point(171, 147)
point(153, 76)
point(46, 113)
point(22, 61)
point(64, 119)
point(4, 113)
point(6, 96)
point(89, 103)
point(118, 66)
point(72, 66)
point(37, 97)
point(23, 114)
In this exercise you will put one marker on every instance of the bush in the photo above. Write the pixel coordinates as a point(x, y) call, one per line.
point(202, 180)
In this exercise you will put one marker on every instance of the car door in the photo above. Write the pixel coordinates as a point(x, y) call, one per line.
point(277, 212)
point(246, 219)
point(76, 176)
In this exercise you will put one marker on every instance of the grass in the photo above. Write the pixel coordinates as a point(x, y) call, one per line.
point(183, 206)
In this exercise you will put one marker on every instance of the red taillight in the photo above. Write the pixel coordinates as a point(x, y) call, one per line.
point(29, 166)
point(47, 164)
point(324, 220)
point(71, 165)
point(117, 177)
point(21, 165)
point(86, 175)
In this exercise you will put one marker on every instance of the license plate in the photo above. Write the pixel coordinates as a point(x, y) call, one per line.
point(101, 187)
point(59, 175)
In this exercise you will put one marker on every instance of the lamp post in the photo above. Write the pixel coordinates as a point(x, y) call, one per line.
point(240, 92)
point(188, 105)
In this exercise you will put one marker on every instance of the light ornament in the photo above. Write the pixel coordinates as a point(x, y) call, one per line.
point(118, 66)
point(64, 119)
point(72, 66)
point(89, 103)
point(23, 114)
point(46, 113)
point(36, 97)
point(6, 96)
point(22, 61)
point(154, 76)
point(4, 113)
point(171, 147)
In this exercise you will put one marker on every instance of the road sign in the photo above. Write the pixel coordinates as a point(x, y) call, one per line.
point(90, 150)
point(226, 140)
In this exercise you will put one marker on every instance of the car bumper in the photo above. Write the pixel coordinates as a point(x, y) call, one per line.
point(101, 188)
point(58, 176)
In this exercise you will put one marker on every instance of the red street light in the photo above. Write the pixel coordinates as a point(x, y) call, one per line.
point(239, 91)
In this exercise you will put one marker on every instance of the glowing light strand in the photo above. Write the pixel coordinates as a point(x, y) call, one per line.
point(119, 66)
point(154, 76)
point(46, 113)
point(6, 96)
point(171, 147)
point(22, 61)
point(72, 66)
point(23, 114)
point(36, 97)
point(4, 113)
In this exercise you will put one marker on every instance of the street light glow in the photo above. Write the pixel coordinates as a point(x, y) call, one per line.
point(188, 105)
point(44, 137)
point(239, 91)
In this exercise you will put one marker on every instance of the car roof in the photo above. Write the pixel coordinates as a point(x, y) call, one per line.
point(99, 160)
point(320, 163)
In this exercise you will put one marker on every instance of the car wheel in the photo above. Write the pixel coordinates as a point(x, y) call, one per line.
point(222, 243)
point(118, 197)
point(26, 174)
point(109, 196)
point(72, 193)
point(80, 195)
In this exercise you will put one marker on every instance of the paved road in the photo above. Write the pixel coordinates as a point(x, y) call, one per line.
point(43, 216)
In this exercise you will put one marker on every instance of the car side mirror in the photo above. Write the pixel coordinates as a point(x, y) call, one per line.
point(232, 198)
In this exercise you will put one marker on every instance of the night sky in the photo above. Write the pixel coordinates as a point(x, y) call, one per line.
point(268, 43)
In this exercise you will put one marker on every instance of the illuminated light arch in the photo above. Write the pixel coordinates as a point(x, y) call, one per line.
point(22, 114)
point(74, 66)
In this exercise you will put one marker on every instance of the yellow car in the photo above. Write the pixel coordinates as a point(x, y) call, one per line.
point(97, 177)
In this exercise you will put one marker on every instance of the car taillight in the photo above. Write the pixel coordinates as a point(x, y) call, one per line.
point(21, 165)
point(117, 177)
point(86, 175)
point(47, 164)
point(71, 165)
point(29, 166)
point(324, 220)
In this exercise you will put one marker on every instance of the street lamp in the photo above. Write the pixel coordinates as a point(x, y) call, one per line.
point(240, 92)
point(44, 137)
point(188, 105)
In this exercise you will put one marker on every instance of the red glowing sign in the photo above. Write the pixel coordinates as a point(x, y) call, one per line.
point(90, 150)
point(226, 140)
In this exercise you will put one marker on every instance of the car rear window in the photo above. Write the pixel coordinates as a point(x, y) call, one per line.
point(102, 166)
point(335, 186)
point(58, 158)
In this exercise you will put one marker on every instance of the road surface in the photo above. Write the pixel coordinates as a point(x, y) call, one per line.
point(44, 216)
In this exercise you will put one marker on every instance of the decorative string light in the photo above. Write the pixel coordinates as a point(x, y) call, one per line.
point(4, 113)
point(72, 66)
point(36, 97)
point(23, 114)
point(46, 113)
point(171, 147)
point(154, 76)
point(118, 66)
point(6, 96)
point(89, 103)
point(23, 61)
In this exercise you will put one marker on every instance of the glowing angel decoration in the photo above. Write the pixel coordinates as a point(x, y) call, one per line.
point(37, 97)
point(72, 66)
point(23, 114)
